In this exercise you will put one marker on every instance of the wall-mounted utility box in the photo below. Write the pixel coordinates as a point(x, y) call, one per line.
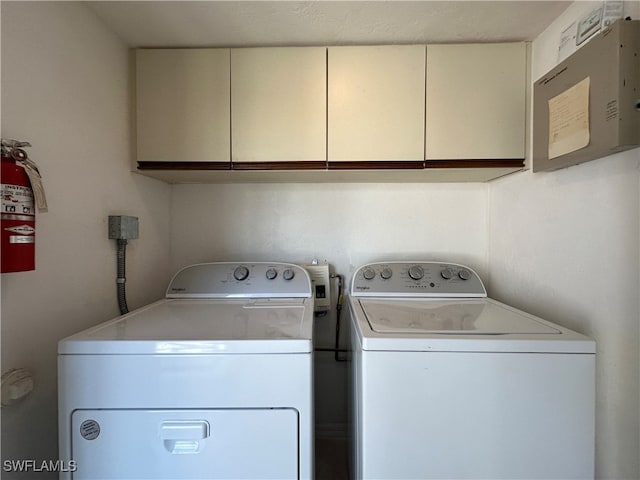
point(588, 106)
point(319, 275)
point(123, 227)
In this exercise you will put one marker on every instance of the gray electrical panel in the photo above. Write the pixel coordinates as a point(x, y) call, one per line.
point(588, 106)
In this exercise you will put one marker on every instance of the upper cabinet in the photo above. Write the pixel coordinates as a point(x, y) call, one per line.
point(279, 106)
point(376, 103)
point(414, 113)
point(182, 105)
point(476, 100)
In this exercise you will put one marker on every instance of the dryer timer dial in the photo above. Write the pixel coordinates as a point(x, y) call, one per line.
point(241, 273)
point(271, 274)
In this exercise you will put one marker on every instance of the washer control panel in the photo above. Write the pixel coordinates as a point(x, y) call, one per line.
point(241, 280)
point(416, 279)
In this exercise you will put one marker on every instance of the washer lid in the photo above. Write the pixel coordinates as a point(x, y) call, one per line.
point(461, 317)
point(205, 326)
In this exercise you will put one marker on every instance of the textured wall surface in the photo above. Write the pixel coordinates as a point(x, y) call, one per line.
point(65, 89)
point(565, 245)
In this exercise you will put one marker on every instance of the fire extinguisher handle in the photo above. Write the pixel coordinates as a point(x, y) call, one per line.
point(13, 149)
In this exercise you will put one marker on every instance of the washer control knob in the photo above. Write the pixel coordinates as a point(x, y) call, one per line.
point(464, 274)
point(446, 273)
point(386, 273)
point(416, 272)
point(288, 274)
point(241, 273)
point(271, 273)
point(369, 273)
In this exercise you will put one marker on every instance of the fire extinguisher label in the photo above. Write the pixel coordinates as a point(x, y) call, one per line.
point(22, 239)
point(17, 199)
point(22, 230)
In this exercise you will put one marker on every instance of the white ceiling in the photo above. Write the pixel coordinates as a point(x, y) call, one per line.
point(262, 23)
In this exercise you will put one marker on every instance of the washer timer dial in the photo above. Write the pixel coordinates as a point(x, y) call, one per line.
point(446, 273)
point(464, 274)
point(369, 273)
point(416, 272)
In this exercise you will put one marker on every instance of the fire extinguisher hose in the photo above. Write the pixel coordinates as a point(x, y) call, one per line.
point(121, 279)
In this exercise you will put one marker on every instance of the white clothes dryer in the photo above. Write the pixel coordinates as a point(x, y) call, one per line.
point(450, 384)
point(213, 382)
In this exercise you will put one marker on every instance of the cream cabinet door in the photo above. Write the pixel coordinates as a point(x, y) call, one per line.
point(375, 103)
point(278, 104)
point(475, 101)
point(182, 105)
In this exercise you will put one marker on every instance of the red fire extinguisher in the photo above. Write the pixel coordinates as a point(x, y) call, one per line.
point(20, 179)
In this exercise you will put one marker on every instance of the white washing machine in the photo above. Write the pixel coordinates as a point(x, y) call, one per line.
point(213, 382)
point(450, 384)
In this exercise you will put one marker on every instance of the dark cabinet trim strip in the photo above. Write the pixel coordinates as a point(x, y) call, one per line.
point(377, 165)
point(300, 165)
point(184, 165)
point(333, 165)
point(476, 163)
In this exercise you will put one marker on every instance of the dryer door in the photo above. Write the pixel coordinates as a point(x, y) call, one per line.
point(185, 444)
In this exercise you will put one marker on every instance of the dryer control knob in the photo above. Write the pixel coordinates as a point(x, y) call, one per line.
point(446, 273)
point(271, 273)
point(464, 274)
point(386, 273)
point(416, 272)
point(369, 273)
point(288, 274)
point(241, 273)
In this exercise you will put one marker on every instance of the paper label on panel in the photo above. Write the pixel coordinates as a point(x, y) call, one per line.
point(569, 120)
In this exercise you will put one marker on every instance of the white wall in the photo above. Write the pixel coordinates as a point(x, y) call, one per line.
point(344, 224)
point(565, 245)
point(65, 89)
